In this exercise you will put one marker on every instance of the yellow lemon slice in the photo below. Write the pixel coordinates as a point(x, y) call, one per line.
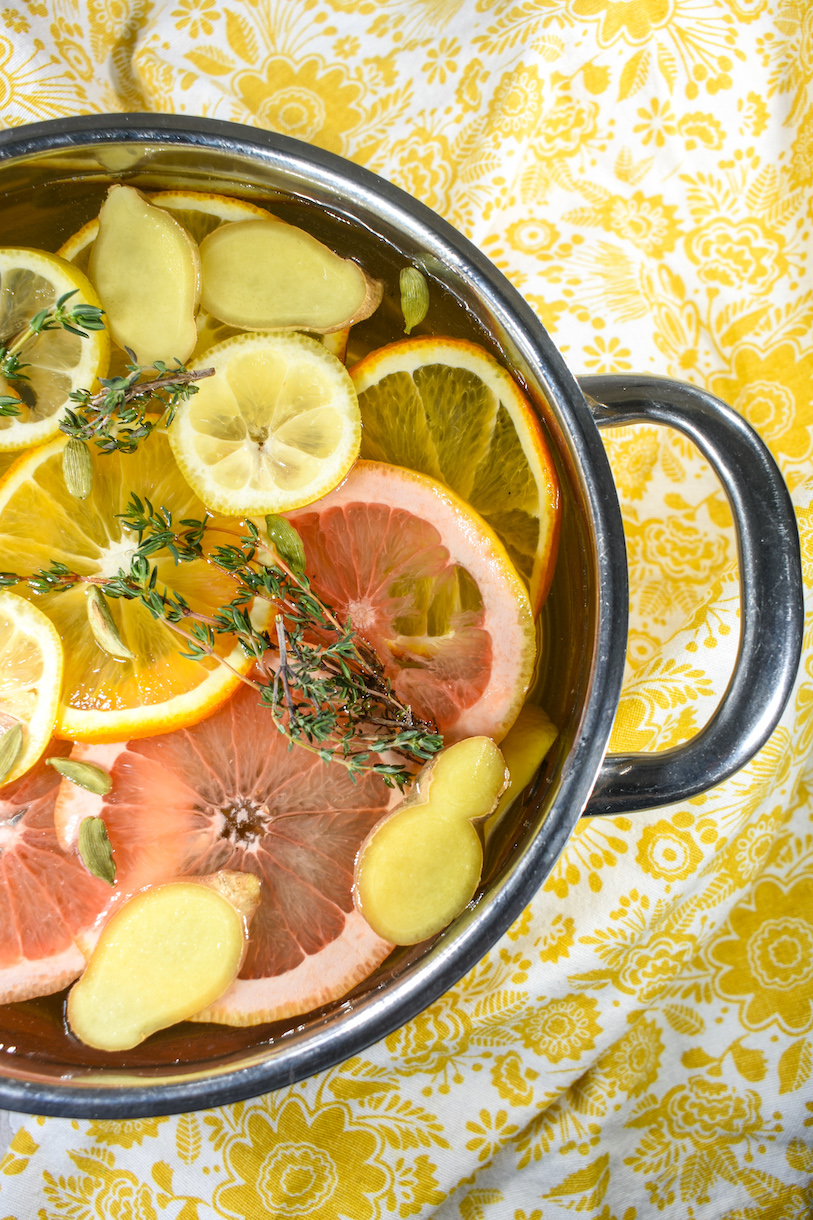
point(30, 677)
point(57, 361)
point(105, 699)
point(276, 427)
point(446, 408)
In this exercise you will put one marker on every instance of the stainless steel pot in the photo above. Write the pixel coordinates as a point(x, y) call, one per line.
point(52, 178)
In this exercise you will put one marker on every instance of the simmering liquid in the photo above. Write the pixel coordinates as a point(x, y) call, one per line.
point(37, 211)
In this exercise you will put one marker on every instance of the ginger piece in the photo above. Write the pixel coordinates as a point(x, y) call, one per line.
point(420, 866)
point(166, 954)
point(262, 275)
point(146, 270)
point(523, 748)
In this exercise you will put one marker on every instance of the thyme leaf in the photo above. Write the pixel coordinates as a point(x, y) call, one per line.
point(323, 685)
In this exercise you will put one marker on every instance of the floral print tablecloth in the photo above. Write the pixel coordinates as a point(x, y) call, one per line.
point(641, 1041)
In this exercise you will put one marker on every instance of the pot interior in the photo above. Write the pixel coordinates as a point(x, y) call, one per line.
point(44, 198)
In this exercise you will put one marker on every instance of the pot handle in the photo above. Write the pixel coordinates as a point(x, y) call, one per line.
point(771, 594)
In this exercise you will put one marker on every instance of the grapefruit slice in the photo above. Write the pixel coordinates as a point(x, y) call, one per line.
point(431, 588)
point(48, 899)
point(228, 793)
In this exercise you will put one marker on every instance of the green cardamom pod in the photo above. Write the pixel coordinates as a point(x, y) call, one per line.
point(286, 542)
point(414, 297)
point(11, 744)
point(95, 849)
point(85, 774)
point(77, 468)
point(104, 629)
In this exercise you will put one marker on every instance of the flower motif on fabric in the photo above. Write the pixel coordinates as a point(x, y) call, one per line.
point(633, 21)
point(197, 16)
point(763, 959)
point(517, 102)
point(308, 100)
point(632, 1063)
point(424, 167)
point(734, 254)
point(770, 387)
point(512, 1081)
point(469, 94)
point(667, 853)
point(125, 1132)
point(704, 1110)
point(298, 1163)
point(565, 127)
point(633, 454)
point(561, 1029)
point(693, 1136)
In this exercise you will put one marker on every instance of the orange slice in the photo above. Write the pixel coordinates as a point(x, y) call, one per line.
point(429, 585)
point(104, 699)
point(446, 408)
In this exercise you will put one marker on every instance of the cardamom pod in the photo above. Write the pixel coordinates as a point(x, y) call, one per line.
point(104, 629)
point(95, 849)
point(85, 774)
point(414, 297)
point(287, 542)
point(77, 468)
point(11, 744)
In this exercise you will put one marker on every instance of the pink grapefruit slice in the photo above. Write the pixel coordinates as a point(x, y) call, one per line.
point(227, 793)
point(48, 899)
point(431, 588)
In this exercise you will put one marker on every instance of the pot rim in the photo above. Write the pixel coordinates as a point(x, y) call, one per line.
point(342, 1034)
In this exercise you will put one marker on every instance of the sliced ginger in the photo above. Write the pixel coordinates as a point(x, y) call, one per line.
point(262, 275)
point(526, 744)
point(146, 270)
point(165, 955)
point(421, 865)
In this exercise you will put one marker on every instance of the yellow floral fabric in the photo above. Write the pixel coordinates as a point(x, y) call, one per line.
point(641, 1041)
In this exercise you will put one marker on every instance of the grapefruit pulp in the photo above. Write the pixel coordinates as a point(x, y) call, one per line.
point(228, 793)
point(47, 897)
point(431, 588)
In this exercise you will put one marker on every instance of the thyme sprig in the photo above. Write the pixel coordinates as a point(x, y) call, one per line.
point(78, 319)
point(325, 688)
point(127, 409)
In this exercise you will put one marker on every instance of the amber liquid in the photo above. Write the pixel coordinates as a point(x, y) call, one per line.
point(36, 211)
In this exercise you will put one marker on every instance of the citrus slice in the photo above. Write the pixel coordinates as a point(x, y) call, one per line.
point(228, 793)
point(103, 698)
point(30, 677)
point(446, 408)
point(47, 896)
point(58, 362)
point(431, 588)
point(276, 427)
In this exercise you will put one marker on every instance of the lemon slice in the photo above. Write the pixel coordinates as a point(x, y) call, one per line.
point(30, 676)
point(275, 428)
point(446, 408)
point(105, 699)
point(58, 361)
